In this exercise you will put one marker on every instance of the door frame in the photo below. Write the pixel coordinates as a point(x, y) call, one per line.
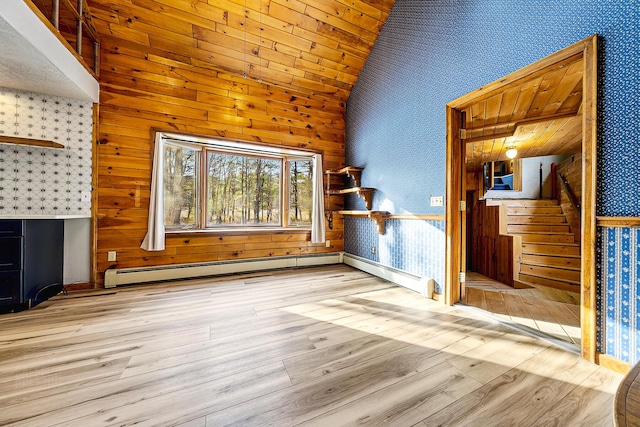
point(455, 182)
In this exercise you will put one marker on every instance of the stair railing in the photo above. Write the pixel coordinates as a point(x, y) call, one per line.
point(572, 197)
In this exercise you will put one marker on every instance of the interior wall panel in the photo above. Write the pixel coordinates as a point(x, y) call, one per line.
point(429, 53)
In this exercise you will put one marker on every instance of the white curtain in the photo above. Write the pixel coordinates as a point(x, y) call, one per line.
point(317, 210)
point(154, 240)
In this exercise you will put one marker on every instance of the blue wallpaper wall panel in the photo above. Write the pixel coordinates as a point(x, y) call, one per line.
point(431, 52)
point(414, 246)
point(619, 303)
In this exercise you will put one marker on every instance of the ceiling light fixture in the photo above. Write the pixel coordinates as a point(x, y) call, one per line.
point(511, 152)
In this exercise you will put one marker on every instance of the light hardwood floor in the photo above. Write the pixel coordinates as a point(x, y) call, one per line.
point(324, 346)
point(553, 312)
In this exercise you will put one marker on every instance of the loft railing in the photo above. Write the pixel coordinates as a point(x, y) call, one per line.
point(72, 20)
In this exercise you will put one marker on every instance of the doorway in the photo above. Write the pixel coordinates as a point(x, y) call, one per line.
point(553, 100)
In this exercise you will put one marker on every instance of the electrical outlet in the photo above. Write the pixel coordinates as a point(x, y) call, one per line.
point(85, 196)
point(327, 243)
point(437, 201)
point(111, 256)
point(373, 250)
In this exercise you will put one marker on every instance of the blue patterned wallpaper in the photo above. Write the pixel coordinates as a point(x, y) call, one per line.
point(408, 245)
point(431, 52)
point(44, 181)
point(619, 303)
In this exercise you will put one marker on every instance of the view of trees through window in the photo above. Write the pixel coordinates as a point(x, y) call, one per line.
point(180, 187)
point(300, 192)
point(238, 189)
point(243, 190)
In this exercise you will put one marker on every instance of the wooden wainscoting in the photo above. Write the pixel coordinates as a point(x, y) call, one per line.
point(314, 347)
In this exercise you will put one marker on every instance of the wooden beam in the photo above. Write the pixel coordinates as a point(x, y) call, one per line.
point(516, 123)
point(506, 134)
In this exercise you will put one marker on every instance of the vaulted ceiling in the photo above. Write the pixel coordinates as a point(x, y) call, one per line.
point(313, 46)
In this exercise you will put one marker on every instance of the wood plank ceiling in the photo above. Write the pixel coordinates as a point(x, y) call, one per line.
point(315, 47)
point(539, 115)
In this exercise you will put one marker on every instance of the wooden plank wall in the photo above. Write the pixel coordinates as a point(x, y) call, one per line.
point(154, 85)
point(571, 168)
point(491, 253)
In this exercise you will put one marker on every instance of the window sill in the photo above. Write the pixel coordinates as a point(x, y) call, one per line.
point(240, 231)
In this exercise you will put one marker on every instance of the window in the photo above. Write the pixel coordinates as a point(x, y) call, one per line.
point(220, 184)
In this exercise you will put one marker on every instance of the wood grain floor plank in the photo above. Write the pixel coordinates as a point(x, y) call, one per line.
point(498, 356)
point(308, 400)
point(404, 403)
point(313, 346)
point(518, 310)
point(589, 404)
point(529, 390)
point(197, 422)
point(550, 311)
point(192, 401)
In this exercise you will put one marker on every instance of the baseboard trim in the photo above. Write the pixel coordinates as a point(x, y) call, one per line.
point(134, 275)
point(422, 285)
point(613, 363)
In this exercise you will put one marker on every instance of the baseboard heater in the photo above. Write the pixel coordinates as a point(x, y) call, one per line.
point(127, 276)
point(422, 285)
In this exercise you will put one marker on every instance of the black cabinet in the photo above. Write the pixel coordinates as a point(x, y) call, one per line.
point(31, 254)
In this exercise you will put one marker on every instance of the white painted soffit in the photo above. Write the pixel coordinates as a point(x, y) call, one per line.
point(33, 59)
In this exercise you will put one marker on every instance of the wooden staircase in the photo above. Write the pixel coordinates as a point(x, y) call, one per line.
point(550, 255)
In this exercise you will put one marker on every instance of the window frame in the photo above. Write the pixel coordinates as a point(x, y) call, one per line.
point(205, 145)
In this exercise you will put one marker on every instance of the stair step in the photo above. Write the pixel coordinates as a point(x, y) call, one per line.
point(538, 228)
point(547, 237)
point(560, 249)
point(534, 210)
point(555, 274)
point(529, 280)
point(536, 219)
point(568, 261)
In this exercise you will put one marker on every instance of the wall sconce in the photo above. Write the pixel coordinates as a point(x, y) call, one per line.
point(511, 152)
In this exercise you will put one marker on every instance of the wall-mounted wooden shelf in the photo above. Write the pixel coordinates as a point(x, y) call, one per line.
point(377, 216)
point(28, 141)
point(351, 171)
point(365, 194)
point(380, 216)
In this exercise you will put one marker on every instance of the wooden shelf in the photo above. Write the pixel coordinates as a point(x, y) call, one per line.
point(420, 217)
point(28, 141)
point(351, 171)
point(364, 193)
point(380, 216)
point(367, 195)
point(377, 216)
